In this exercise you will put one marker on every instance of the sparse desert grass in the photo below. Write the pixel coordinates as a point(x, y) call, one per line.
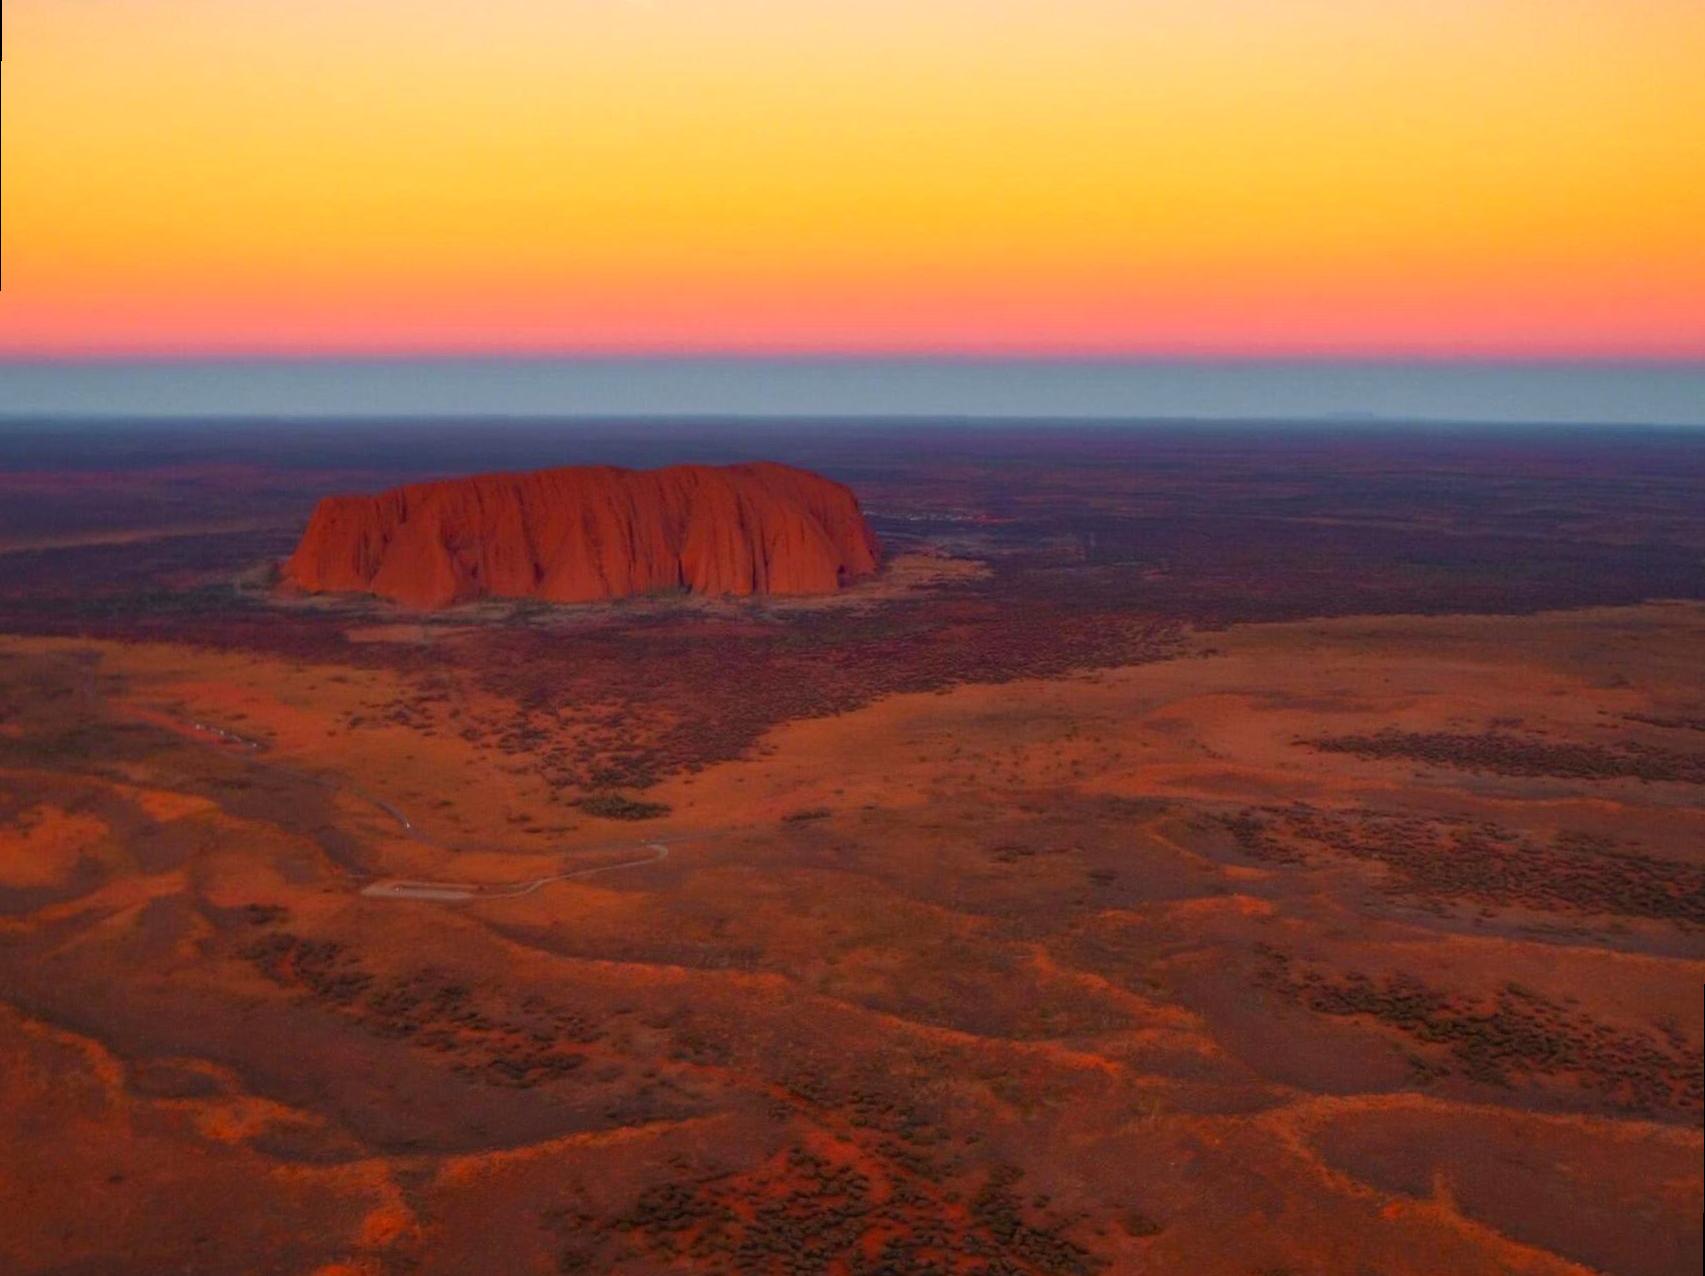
point(1503, 753)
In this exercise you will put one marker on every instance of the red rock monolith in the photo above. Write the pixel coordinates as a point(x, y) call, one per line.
point(582, 533)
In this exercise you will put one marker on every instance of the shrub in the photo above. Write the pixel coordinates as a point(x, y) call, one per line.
point(613, 806)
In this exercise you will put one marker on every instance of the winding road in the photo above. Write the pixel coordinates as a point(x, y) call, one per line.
point(451, 892)
point(406, 888)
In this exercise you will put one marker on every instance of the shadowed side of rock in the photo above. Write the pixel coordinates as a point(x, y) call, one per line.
point(583, 533)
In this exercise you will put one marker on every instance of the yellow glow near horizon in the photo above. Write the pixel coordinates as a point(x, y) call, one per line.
point(1478, 176)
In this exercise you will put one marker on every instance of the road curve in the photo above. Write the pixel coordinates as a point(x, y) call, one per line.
point(405, 888)
point(461, 892)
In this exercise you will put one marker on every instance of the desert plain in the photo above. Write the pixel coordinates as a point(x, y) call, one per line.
point(1218, 852)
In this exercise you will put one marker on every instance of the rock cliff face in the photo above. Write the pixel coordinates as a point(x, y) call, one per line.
point(588, 532)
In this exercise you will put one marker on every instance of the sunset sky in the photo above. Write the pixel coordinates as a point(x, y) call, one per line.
point(1230, 177)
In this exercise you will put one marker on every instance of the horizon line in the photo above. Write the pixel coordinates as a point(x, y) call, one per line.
point(1348, 420)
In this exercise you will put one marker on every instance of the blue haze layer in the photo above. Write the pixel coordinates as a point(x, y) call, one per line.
point(1610, 393)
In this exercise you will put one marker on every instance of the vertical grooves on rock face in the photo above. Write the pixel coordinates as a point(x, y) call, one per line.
point(582, 533)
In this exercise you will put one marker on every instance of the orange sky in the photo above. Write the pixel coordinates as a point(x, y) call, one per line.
point(1229, 176)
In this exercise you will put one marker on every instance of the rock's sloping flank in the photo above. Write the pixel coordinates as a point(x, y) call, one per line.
point(588, 532)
